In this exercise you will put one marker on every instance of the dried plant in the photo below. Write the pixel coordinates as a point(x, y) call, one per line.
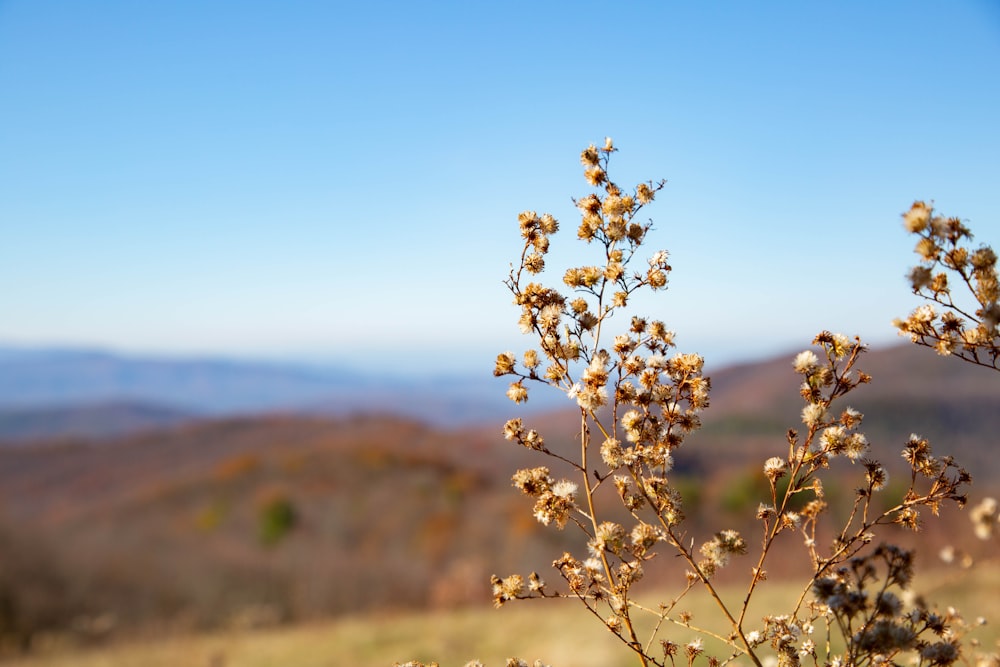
point(511, 662)
point(639, 399)
point(967, 325)
point(966, 328)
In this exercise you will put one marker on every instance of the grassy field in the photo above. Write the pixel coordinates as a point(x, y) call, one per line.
point(559, 633)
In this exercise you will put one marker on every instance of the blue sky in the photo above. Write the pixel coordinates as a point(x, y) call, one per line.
point(341, 181)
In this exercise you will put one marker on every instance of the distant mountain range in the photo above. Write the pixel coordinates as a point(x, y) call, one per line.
point(87, 392)
point(33, 378)
point(78, 392)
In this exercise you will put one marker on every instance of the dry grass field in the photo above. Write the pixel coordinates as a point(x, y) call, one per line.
point(559, 633)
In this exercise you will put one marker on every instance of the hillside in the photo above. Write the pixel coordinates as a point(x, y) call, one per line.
point(100, 420)
point(96, 393)
point(286, 517)
point(952, 403)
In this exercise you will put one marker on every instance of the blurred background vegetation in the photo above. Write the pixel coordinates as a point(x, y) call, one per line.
point(235, 525)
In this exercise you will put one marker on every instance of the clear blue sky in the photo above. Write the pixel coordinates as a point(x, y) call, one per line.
point(342, 180)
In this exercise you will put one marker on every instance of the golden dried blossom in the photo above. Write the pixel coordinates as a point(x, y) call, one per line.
point(813, 413)
point(548, 224)
point(805, 362)
point(508, 588)
point(534, 263)
point(876, 475)
point(587, 321)
point(659, 332)
point(613, 206)
point(517, 392)
point(504, 364)
point(528, 220)
point(643, 536)
point(774, 468)
point(612, 453)
point(533, 481)
point(532, 440)
point(644, 193)
point(917, 218)
point(614, 271)
point(513, 429)
point(596, 176)
point(589, 204)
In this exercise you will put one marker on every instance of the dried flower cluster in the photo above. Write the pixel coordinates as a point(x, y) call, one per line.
point(511, 662)
point(860, 599)
point(638, 402)
point(966, 329)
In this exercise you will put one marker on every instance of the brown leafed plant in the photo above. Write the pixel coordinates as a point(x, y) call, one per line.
point(639, 399)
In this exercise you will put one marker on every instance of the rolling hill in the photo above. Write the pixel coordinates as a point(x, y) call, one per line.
point(206, 521)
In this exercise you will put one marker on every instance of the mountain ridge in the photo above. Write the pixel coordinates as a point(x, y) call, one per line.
point(75, 380)
point(96, 393)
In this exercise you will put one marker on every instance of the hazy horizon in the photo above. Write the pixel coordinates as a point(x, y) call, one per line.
point(470, 363)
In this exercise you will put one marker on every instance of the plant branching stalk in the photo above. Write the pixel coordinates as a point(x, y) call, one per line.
point(655, 396)
point(589, 493)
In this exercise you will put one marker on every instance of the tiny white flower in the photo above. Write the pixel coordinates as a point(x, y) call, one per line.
point(656, 361)
point(564, 488)
point(813, 414)
point(805, 361)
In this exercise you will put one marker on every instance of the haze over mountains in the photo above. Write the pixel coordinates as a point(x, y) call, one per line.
point(88, 392)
